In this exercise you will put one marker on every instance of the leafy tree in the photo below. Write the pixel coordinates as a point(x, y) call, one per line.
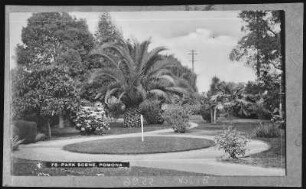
point(55, 38)
point(55, 46)
point(185, 76)
point(138, 75)
point(46, 92)
point(106, 32)
point(261, 47)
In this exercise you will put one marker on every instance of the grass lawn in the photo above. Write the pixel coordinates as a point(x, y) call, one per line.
point(274, 157)
point(22, 167)
point(115, 129)
point(134, 145)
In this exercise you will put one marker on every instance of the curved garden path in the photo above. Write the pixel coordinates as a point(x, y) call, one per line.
point(200, 161)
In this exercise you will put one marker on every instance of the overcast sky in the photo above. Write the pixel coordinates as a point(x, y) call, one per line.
point(212, 34)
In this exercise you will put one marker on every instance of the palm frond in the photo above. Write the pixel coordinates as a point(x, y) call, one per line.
point(177, 90)
point(151, 58)
point(159, 93)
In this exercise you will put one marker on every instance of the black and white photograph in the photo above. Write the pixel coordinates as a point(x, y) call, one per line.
point(188, 95)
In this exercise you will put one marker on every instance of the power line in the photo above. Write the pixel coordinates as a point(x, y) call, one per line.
point(192, 53)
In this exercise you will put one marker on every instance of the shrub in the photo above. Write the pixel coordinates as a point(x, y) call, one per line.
point(115, 107)
point(232, 142)
point(263, 113)
point(15, 142)
point(278, 122)
point(266, 131)
point(91, 120)
point(177, 117)
point(40, 137)
point(205, 113)
point(26, 130)
point(195, 109)
point(151, 111)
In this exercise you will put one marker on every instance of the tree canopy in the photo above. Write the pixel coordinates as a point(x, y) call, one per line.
point(107, 31)
point(261, 46)
point(50, 62)
point(138, 74)
point(55, 38)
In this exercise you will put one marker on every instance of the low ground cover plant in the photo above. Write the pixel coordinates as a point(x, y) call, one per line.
point(232, 142)
point(92, 120)
point(267, 130)
point(177, 116)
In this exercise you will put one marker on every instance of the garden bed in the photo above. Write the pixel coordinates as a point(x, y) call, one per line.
point(134, 145)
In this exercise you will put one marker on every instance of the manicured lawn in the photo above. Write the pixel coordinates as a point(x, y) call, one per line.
point(134, 145)
point(22, 167)
point(116, 128)
point(274, 157)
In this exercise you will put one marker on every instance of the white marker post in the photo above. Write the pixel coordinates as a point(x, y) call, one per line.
point(141, 121)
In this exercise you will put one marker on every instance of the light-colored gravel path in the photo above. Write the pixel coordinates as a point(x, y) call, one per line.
point(201, 161)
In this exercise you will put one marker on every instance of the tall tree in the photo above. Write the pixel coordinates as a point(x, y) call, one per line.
point(107, 30)
point(54, 38)
point(54, 45)
point(138, 74)
point(261, 46)
point(185, 75)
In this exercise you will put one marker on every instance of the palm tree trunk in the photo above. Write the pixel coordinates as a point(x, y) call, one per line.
point(132, 117)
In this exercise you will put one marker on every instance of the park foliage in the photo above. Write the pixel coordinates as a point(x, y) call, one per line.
point(177, 116)
point(60, 63)
point(92, 119)
point(232, 142)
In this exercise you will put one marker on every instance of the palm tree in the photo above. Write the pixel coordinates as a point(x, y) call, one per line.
point(136, 75)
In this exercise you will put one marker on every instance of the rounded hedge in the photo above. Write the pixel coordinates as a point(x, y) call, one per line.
point(25, 130)
point(134, 145)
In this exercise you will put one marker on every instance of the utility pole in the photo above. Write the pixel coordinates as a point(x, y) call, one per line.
point(193, 53)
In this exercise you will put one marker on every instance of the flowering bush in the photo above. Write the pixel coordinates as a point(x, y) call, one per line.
point(178, 117)
point(232, 142)
point(91, 120)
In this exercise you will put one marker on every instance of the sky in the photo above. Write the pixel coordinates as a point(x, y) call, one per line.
point(212, 34)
